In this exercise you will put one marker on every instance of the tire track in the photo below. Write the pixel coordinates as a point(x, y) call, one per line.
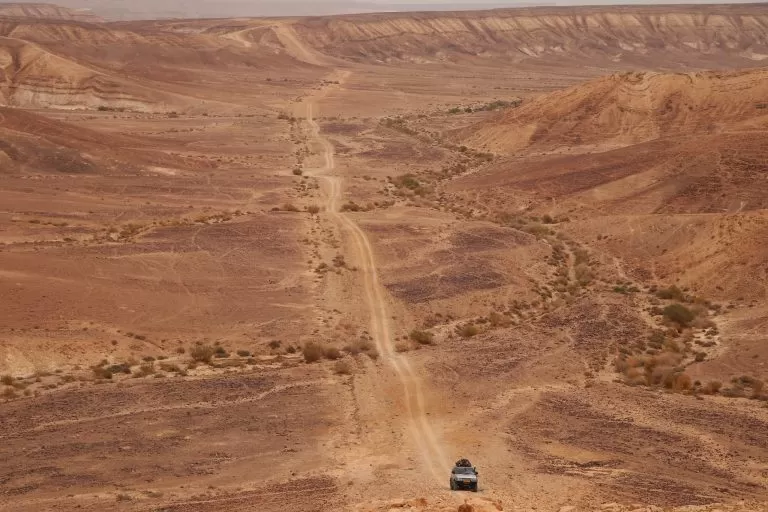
point(421, 430)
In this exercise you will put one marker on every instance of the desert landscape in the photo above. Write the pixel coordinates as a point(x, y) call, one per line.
point(307, 263)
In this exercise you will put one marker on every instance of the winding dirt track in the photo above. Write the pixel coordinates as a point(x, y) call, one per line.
point(424, 436)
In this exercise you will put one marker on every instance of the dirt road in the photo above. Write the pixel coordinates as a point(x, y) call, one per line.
point(431, 449)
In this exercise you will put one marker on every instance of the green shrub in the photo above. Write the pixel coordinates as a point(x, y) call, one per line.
point(679, 314)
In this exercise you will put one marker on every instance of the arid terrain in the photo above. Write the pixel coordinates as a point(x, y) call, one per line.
point(306, 264)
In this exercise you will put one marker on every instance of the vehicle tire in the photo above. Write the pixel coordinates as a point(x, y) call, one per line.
point(474, 489)
point(450, 482)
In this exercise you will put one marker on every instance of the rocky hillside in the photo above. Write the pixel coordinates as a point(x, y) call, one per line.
point(45, 11)
point(636, 36)
point(630, 108)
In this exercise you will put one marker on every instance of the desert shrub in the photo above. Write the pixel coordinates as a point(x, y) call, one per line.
point(342, 368)
point(220, 352)
point(671, 293)
point(338, 261)
point(682, 382)
point(679, 314)
point(312, 352)
point(145, 370)
point(297, 171)
point(408, 181)
point(101, 372)
point(288, 207)
point(202, 353)
point(313, 209)
point(358, 347)
point(402, 347)
point(713, 387)
point(7, 380)
point(120, 368)
point(332, 353)
point(170, 367)
point(351, 206)
point(468, 330)
point(181, 350)
point(700, 356)
point(274, 344)
point(422, 337)
point(243, 353)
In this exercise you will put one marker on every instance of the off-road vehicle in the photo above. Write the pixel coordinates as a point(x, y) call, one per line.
point(463, 476)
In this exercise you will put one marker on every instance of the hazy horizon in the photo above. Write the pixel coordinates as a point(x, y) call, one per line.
point(148, 9)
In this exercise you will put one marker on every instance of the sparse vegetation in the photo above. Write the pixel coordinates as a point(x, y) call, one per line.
point(422, 337)
point(342, 368)
point(202, 353)
point(467, 330)
point(679, 314)
point(312, 352)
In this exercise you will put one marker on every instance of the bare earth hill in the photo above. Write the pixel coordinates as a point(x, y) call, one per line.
point(45, 11)
point(629, 108)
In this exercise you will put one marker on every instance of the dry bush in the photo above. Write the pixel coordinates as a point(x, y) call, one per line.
point(682, 382)
point(342, 368)
point(332, 353)
point(402, 347)
point(713, 387)
point(8, 394)
point(312, 352)
point(422, 337)
point(313, 209)
point(202, 353)
point(358, 347)
point(671, 293)
point(243, 353)
point(7, 380)
point(145, 370)
point(170, 367)
point(289, 207)
point(467, 330)
point(702, 322)
point(101, 373)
